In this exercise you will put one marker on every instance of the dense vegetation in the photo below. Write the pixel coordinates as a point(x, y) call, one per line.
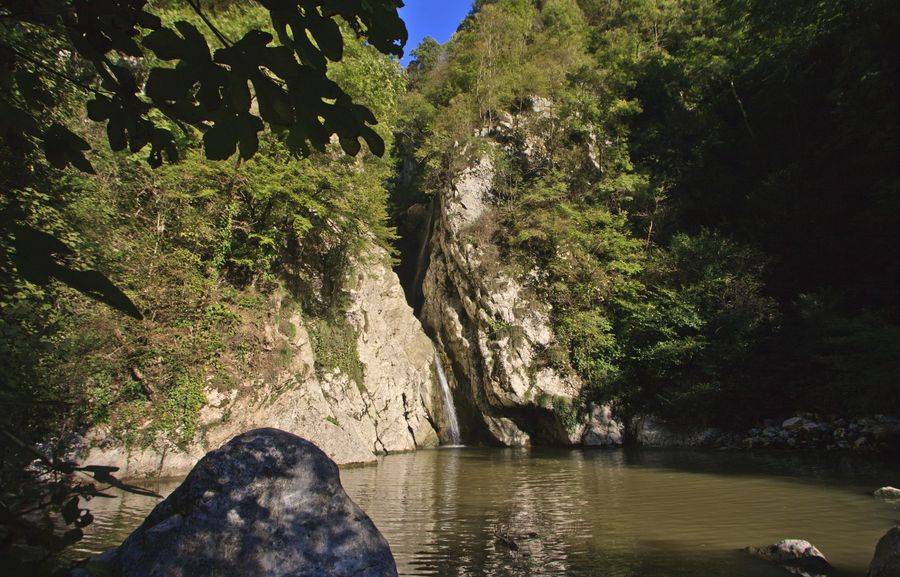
point(200, 245)
point(708, 189)
point(714, 203)
point(130, 287)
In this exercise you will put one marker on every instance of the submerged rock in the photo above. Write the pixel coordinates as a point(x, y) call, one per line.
point(266, 504)
point(794, 554)
point(889, 493)
point(886, 562)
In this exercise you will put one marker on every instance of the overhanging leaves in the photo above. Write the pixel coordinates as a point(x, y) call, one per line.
point(40, 257)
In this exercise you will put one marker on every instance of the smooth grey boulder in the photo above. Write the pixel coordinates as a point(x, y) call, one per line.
point(886, 562)
point(794, 554)
point(889, 493)
point(266, 504)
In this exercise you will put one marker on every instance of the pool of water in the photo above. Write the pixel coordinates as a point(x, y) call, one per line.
point(506, 512)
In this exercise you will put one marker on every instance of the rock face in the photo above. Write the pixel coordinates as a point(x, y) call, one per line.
point(652, 433)
point(490, 328)
point(268, 504)
point(494, 330)
point(886, 562)
point(794, 554)
point(395, 404)
point(603, 430)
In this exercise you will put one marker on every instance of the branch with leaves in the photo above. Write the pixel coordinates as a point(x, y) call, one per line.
point(211, 90)
point(56, 493)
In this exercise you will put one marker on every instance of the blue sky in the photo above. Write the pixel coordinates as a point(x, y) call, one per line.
point(436, 18)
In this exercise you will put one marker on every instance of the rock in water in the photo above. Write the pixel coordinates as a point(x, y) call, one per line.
point(886, 562)
point(795, 554)
point(889, 493)
point(266, 504)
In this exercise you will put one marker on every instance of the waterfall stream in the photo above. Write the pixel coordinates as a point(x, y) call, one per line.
point(449, 407)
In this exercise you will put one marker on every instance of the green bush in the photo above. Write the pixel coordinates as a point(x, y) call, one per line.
point(334, 346)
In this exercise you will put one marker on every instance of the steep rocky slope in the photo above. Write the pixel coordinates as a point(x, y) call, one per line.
point(491, 328)
point(394, 405)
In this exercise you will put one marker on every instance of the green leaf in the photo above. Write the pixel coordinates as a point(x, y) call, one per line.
point(62, 147)
point(327, 35)
point(274, 104)
point(165, 43)
point(219, 142)
point(100, 108)
point(195, 47)
point(350, 145)
point(166, 84)
point(40, 257)
point(373, 140)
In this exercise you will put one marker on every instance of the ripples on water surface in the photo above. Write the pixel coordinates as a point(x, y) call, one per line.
point(454, 512)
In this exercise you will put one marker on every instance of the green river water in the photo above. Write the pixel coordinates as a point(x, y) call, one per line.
point(507, 512)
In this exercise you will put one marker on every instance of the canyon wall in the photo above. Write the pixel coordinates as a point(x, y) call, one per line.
point(394, 404)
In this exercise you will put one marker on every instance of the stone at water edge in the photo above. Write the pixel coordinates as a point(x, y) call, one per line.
point(890, 493)
point(792, 423)
point(603, 430)
point(795, 553)
point(886, 562)
point(266, 504)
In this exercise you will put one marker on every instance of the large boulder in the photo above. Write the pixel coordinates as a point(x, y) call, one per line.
point(886, 562)
point(795, 554)
point(266, 504)
point(651, 432)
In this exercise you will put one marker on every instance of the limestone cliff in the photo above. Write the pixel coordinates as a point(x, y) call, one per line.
point(493, 329)
point(393, 405)
point(490, 329)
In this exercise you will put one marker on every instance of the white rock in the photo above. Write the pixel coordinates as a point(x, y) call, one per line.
point(890, 493)
point(794, 553)
point(793, 424)
point(492, 328)
point(603, 430)
point(391, 410)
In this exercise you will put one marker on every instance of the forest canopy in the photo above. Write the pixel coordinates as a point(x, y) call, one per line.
point(733, 255)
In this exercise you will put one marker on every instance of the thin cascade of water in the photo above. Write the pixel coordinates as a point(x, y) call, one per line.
point(449, 407)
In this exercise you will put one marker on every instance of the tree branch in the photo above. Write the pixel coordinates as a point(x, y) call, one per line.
point(195, 4)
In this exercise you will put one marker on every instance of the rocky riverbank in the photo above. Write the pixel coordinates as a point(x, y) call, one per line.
point(878, 434)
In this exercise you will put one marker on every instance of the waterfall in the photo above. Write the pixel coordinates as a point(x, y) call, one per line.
point(449, 407)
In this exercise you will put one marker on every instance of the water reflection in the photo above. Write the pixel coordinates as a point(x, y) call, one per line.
point(115, 518)
point(505, 513)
